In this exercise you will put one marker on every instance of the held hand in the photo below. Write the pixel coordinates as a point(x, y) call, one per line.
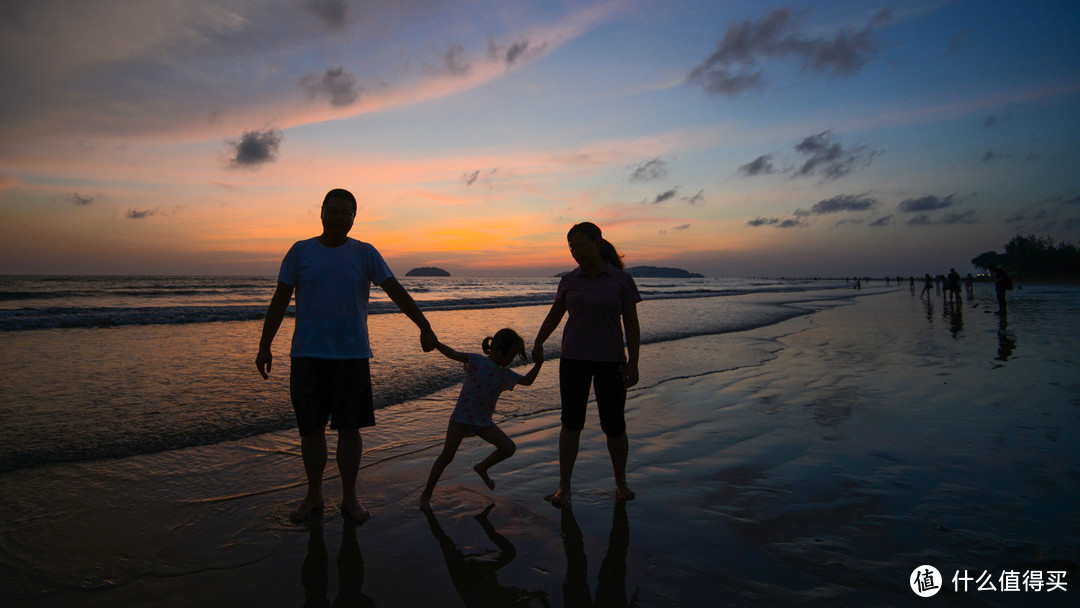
point(630, 375)
point(428, 340)
point(264, 361)
point(538, 353)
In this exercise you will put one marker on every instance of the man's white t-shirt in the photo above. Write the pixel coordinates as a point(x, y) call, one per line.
point(332, 288)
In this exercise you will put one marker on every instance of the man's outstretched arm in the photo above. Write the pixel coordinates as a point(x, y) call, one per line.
point(404, 301)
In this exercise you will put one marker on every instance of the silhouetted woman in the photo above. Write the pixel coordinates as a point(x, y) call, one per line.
point(601, 299)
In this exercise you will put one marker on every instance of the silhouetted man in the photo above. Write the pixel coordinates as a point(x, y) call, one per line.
point(330, 377)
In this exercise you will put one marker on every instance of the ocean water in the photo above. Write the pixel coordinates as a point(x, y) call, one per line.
point(106, 367)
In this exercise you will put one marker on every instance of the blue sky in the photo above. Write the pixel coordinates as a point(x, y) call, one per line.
point(732, 139)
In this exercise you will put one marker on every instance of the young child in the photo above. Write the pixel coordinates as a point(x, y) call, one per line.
point(487, 377)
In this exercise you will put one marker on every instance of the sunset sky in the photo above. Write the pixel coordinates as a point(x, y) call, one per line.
point(737, 138)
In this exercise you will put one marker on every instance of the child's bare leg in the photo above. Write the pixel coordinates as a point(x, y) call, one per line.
point(504, 448)
point(454, 434)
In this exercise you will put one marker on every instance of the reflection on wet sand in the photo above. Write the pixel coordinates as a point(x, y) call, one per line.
point(611, 583)
point(474, 575)
point(954, 315)
point(1006, 341)
point(315, 572)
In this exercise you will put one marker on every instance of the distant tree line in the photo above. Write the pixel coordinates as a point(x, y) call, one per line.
point(1033, 256)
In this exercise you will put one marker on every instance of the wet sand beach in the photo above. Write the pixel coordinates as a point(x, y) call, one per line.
point(858, 443)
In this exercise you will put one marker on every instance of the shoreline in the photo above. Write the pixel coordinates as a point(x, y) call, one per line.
point(858, 443)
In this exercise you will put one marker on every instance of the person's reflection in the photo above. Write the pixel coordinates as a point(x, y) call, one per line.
point(954, 313)
point(930, 310)
point(315, 572)
point(1006, 341)
point(611, 582)
point(474, 576)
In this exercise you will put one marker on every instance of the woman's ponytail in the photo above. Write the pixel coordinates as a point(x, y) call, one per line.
point(609, 254)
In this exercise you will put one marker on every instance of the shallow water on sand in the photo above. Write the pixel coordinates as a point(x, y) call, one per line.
point(87, 393)
point(813, 462)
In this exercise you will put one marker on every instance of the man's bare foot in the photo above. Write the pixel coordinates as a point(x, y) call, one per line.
point(425, 503)
point(352, 509)
point(559, 499)
point(483, 475)
point(304, 510)
point(624, 493)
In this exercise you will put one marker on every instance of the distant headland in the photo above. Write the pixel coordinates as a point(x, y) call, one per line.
point(660, 272)
point(427, 271)
point(657, 272)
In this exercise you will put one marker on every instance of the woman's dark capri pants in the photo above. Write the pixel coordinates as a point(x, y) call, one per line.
point(606, 380)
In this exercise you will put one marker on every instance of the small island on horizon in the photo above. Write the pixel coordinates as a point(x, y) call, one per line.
point(427, 271)
point(657, 272)
point(662, 272)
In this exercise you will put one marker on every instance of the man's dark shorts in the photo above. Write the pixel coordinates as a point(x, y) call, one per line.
point(607, 381)
point(338, 390)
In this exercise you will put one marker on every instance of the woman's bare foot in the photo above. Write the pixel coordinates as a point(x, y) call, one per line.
point(483, 475)
point(624, 493)
point(304, 510)
point(559, 499)
point(352, 509)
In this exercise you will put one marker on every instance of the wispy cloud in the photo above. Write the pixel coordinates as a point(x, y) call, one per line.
point(454, 61)
point(471, 177)
point(964, 217)
point(734, 68)
point(338, 86)
point(794, 222)
point(763, 221)
point(255, 148)
point(649, 170)
point(926, 203)
point(823, 154)
point(514, 52)
point(697, 199)
point(664, 196)
point(136, 214)
point(761, 165)
point(844, 202)
point(81, 200)
point(830, 158)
